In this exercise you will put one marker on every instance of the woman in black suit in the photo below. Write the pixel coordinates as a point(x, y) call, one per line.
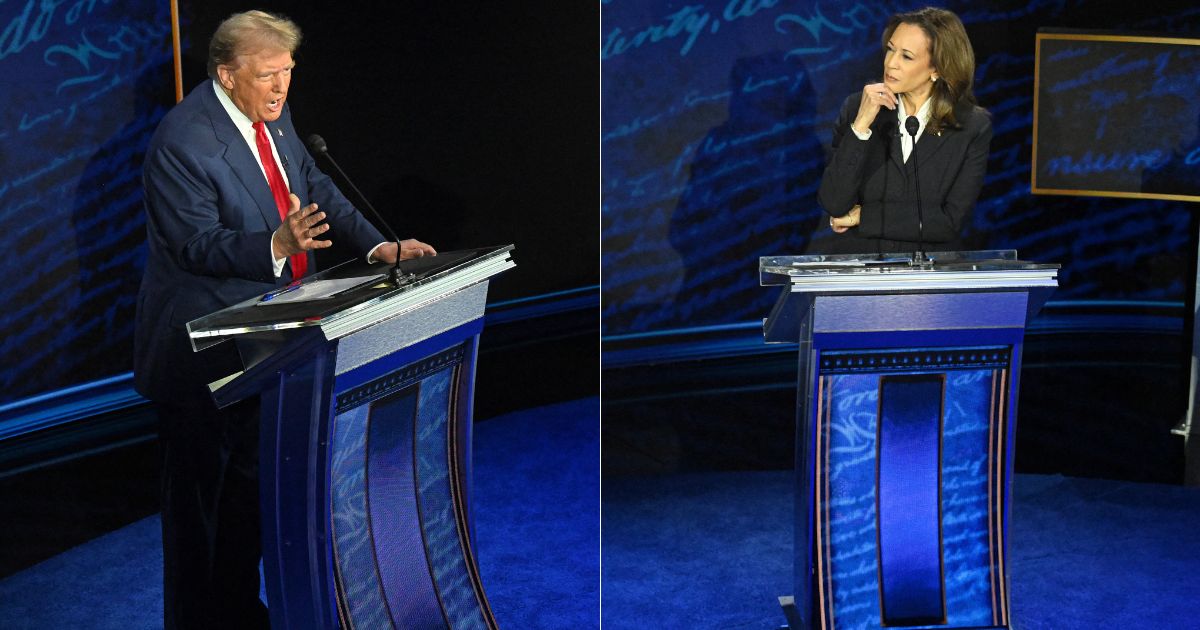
point(869, 187)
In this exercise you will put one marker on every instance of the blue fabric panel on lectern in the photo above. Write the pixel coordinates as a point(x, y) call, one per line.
point(442, 535)
point(851, 502)
point(848, 539)
point(910, 551)
point(396, 532)
point(353, 549)
point(965, 510)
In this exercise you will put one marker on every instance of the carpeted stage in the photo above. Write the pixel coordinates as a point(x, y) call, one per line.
point(712, 550)
point(536, 510)
point(701, 550)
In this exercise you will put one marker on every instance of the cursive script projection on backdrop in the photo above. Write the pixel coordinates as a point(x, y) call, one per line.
point(1118, 115)
point(715, 118)
point(84, 84)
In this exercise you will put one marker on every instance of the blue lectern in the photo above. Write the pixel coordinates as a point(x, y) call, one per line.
point(906, 420)
point(366, 440)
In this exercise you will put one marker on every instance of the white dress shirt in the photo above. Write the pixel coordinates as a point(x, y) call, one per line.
point(246, 127)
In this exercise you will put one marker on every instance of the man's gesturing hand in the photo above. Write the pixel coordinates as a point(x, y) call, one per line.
point(298, 231)
point(409, 248)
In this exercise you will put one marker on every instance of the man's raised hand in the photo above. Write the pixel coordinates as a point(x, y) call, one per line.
point(299, 230)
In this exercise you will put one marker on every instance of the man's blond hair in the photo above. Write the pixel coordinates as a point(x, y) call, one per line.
point(249, 32)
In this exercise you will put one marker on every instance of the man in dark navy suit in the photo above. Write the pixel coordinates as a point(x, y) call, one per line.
point(235, 205)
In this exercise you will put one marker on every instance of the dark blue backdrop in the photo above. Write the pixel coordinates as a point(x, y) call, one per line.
point(476, 132)
point(82, 85)
point(714, 119)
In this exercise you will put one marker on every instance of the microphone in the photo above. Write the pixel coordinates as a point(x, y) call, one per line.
point(912, 125)
point(316, 146)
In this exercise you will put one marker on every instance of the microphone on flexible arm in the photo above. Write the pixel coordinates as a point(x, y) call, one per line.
point(316, 146)
point(912, 125)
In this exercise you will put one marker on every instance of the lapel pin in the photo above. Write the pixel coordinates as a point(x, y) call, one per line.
point(280, 132)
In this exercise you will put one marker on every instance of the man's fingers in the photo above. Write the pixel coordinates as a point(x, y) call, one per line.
point(308, 238)
point(299, 234)
point(293, 203)
point(413, 245)
point(298, 213)
point(305, 236)
point(412, 248)
point(312, 219)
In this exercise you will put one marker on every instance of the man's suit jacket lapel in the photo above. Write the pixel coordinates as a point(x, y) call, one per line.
point(241, 161)
point(286, 146)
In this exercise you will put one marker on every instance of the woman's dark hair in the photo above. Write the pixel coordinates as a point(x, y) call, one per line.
point(950, 54)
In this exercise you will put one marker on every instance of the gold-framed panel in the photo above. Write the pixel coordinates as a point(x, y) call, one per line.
point(1037, 68)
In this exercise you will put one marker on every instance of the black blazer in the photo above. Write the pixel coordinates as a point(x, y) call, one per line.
point(873, 174)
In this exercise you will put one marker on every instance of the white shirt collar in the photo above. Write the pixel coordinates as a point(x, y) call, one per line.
point(907, 141)
point(922, 114)
point(246, 127)
point(244, 124)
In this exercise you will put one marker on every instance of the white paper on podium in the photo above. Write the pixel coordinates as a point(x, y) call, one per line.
point(316, 290)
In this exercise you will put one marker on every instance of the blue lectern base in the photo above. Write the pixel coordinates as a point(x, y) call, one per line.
point(906, 413)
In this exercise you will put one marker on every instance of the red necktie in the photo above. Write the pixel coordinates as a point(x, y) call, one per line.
point(278, 190)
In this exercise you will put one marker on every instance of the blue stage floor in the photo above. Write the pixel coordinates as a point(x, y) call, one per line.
point(709, 550)
point(536, 510)
point(713, 550)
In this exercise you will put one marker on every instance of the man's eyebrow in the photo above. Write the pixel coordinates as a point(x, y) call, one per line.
point(279, 69)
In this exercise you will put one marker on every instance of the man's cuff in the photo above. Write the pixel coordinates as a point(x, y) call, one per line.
point(371, 254)
point(278, 263)
point(861, 136)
